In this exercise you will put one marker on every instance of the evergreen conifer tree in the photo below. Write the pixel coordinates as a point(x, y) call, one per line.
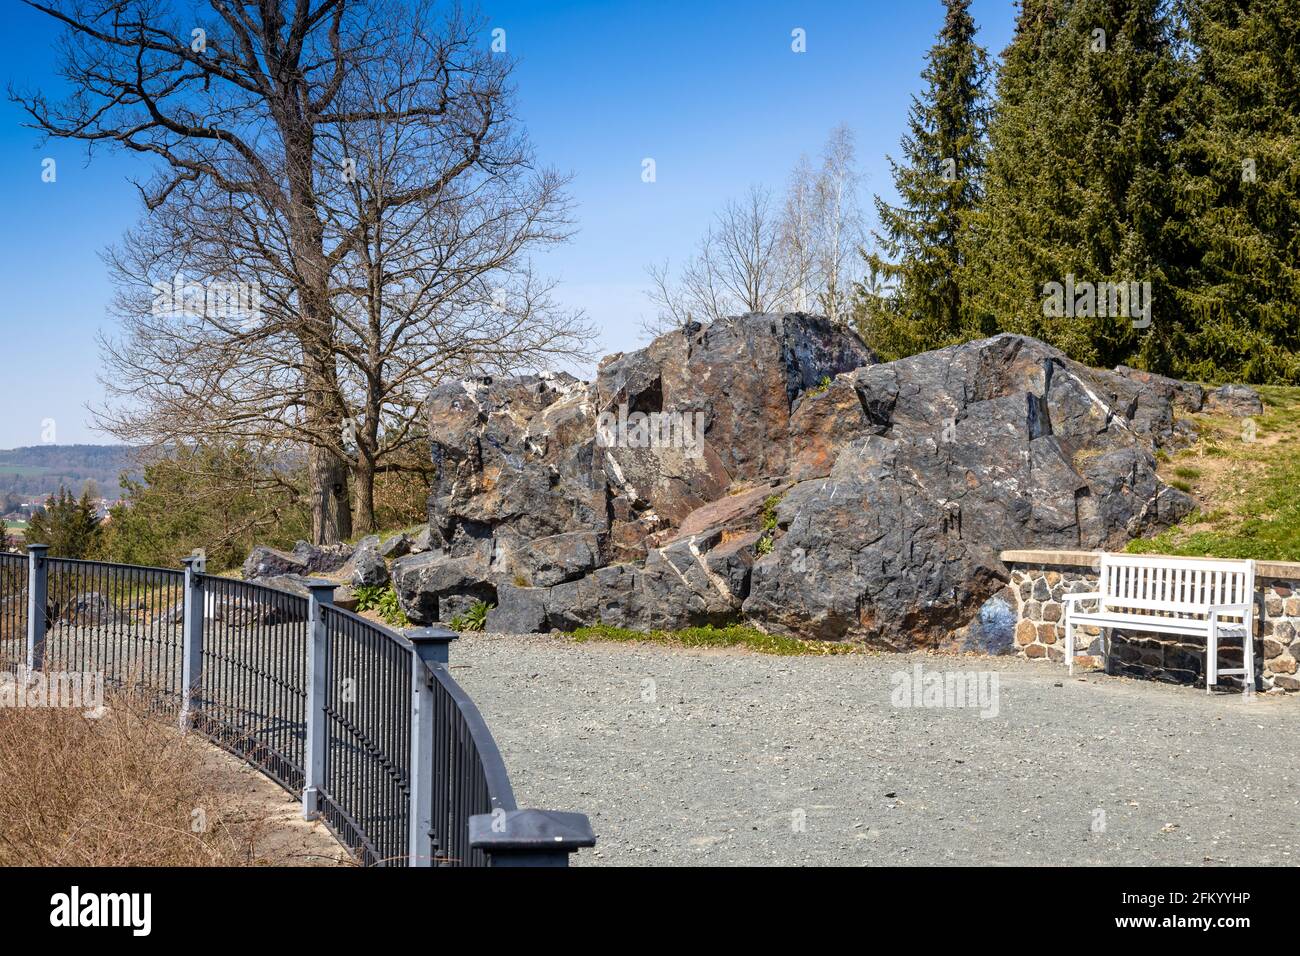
point(1078, 186)
point(1239, 296)
point(917, 303)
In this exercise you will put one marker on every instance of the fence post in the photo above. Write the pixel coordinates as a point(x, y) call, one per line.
point(430, 646)
point(38, 599)
point(321, 594)
point(530, 837)
point(192, 607)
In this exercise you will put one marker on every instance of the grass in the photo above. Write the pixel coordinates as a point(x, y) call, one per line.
point(1247, 482)
point(127, 789)
point(730, 635)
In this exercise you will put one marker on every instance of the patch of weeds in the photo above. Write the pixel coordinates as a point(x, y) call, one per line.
point(1182, 486)
point(1188, 472)
point(768, 525)
point(821, 386)
point(383, 601)
point(475, 619)
point(730, 635)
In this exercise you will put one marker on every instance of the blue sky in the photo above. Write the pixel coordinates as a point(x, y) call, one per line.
point(710, 90)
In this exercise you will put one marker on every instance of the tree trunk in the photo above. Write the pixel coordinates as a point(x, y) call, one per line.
point(364, 474)
point(327, 470)
point(331, 511)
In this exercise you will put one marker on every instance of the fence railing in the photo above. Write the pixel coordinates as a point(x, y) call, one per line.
point(13, 611)
point(366, 725)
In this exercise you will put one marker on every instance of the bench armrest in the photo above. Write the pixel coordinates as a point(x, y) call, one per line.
point(1086, 596)
point(1229, 608)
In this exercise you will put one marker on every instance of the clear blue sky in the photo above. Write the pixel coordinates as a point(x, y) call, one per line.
point(710, 89)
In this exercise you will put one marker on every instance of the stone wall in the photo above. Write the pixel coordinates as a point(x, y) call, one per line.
point(1039, 580)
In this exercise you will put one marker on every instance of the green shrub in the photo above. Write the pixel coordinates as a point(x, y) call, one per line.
point(383, 601)
point(475, 619)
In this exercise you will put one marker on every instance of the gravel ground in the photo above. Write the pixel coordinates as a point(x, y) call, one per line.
point(735, 758)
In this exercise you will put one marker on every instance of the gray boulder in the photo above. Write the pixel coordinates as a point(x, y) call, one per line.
point(518, 610)
point(290, 583)
point(319, 558)
point(1240, 401)
point(968, 451)
point(610, 595)
point(423, 581)
point(398, 546)
point(366, 568)
point(264, 562)
point(1185, 396)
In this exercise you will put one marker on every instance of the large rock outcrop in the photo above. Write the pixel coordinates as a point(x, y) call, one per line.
point(767, 468)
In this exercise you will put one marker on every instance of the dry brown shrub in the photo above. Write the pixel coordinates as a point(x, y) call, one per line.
point(126, 789)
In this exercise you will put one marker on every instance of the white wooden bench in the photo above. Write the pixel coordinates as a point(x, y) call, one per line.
point(1186, 596)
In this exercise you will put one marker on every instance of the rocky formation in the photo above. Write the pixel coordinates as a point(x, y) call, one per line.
point(1236, 400)
point(767, 468)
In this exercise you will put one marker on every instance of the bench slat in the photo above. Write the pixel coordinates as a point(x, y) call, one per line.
point(1150, 622)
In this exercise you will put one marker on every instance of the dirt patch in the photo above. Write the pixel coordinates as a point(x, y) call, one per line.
point(252, 802)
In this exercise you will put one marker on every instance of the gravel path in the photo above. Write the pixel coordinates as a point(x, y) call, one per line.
point(732, 757)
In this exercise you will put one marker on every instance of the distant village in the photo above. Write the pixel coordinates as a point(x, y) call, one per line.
point(19, 510)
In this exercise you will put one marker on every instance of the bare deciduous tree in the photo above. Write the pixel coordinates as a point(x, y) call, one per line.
point(839, 225)
point(738, 267)
point(356, 162)
point(758, 259)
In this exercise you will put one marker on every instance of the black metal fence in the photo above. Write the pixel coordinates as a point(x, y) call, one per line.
point(366, 793)
point(118, 620)
point(365, 724)
point(13, 611)
point(252, 694)
point(477, 781)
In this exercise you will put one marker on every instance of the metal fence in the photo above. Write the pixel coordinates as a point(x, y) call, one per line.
point(13, 611)
point(364, 724)
point(366, 790)
point(252, 687)
point(118, 620)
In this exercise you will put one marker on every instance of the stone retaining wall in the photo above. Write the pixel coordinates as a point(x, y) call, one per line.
point(1039, 579)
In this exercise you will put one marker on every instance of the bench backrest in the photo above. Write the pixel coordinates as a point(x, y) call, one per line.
point(1183, 587)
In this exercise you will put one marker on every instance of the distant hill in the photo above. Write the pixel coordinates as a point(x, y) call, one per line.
point(43, 469)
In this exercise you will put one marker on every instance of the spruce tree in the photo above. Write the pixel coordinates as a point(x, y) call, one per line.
point(68, 525)
point(1078, 186)
point(1239, 315)
point(918, 303)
